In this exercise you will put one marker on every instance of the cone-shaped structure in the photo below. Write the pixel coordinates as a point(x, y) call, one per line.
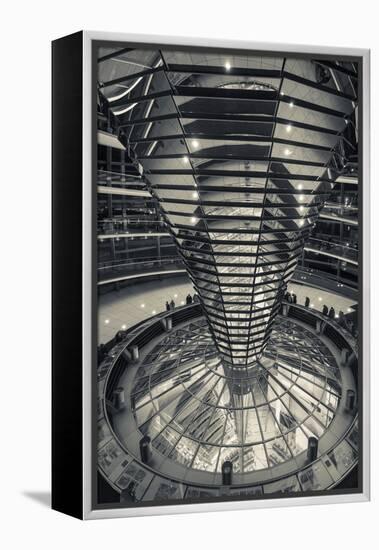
point(238, 151)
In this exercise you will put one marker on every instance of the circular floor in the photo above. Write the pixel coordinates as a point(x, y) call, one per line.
point(200, 413)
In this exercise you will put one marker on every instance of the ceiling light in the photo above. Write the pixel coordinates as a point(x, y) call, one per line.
point(195, 144)
point(153, 312)
point(301, 208)
point(287, 152)
point(193, 220)
point(182, 303)
point(106, 321)
point(289, 127)
point(319, 298)
point(185, 159)
point(195, 195)
point(291, 104)
point(123, 327)
point(301, 223)
point(228, 66)
point(301, 197)
point(312, 305)
point(175, 295)
point(300, 187)
point(142, 305)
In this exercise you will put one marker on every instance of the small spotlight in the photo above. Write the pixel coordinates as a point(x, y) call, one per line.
point(301, 208)
point(142, 305)
point(153, 312)
point(185, 159)
point(287, 152)
point(301, 197)
point(289, 127)
point(193, 220)
point(195, 195)
point(106, 321)
point(319, 298)
point(228, 66)
point(300, 187)
point(349, 310)
point(175, 295)
point(195, 144)
point(312, 305)
point(291, 104)
point(182, 303)
point(123, 327)
point(301, 223)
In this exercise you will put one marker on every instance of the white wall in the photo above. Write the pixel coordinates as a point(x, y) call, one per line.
point(27, 27)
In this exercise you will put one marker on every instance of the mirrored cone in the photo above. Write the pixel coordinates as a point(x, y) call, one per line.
point(240, 156)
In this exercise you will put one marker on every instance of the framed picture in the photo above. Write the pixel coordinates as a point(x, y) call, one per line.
point(210, 275)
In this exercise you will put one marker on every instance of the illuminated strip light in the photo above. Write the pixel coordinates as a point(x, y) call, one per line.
point(119, 191)
point(139, 275)
point(151, 148)
point(330, 255)
point(123, 111)
point(123, 94)
point(331, 217)
point(353, 180)
point(149, 108)
point(131, 235)
point(109, 140)
point(128, 62)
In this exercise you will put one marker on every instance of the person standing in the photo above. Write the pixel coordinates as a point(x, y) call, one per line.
point(167, 306)
point(172, 304)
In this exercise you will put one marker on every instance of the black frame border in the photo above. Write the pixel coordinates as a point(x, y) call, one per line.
point(67, 272)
